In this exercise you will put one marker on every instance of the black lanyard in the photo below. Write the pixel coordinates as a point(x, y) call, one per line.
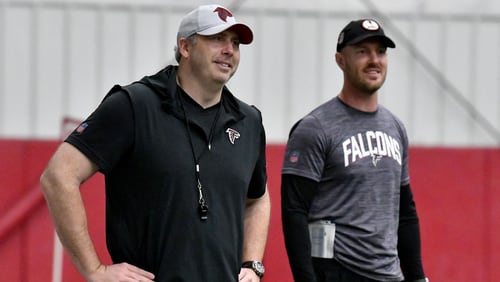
point(202, 205)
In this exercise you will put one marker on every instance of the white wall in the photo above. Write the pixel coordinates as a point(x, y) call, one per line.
point(58, 58)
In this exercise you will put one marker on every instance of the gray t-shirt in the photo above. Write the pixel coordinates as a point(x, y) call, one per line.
point(360, 161)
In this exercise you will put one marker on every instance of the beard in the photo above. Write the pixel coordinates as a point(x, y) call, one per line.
point(366, 85)
point(361, 82)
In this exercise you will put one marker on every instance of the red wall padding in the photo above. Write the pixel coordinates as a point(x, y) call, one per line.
point(456, 191)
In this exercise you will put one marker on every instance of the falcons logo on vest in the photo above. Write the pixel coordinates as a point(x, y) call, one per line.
point(232, 134)
point(223, 13)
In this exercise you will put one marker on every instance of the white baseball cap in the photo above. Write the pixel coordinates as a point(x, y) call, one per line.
point(210, 20)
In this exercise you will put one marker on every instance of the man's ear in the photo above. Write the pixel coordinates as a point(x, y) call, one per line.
point(340, 60)
point(184, 47)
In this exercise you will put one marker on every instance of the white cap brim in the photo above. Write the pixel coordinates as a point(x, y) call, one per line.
point(245, 34)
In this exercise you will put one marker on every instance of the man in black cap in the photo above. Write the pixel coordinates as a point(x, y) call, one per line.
point(347, 207)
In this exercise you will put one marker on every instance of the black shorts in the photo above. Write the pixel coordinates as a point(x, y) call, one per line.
point(329, 270)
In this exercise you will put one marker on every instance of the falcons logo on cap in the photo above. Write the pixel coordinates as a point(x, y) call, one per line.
point(232, 134)
point(370, 24)
point(223, 13)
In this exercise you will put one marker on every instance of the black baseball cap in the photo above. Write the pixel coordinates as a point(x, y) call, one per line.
point(359, 30)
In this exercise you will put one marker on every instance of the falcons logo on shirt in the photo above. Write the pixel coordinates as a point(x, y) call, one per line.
point(376, 159)
point(232, 134)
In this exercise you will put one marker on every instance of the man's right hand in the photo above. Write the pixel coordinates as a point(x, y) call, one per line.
point(122, 272)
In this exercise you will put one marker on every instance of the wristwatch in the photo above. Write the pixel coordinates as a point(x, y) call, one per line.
point(256, 266)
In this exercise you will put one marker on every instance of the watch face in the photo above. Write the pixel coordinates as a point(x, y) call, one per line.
point(258, 267)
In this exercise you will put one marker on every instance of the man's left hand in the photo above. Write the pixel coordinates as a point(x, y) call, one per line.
point(248, 275)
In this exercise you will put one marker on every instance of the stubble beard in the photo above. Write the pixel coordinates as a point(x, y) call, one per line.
point(368, 86)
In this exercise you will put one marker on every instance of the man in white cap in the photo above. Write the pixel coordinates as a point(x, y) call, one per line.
point(184, 164)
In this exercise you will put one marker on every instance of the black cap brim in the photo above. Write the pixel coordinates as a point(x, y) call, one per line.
point(382, 38)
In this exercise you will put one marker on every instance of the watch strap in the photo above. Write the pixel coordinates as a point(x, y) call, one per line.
point(256, 266)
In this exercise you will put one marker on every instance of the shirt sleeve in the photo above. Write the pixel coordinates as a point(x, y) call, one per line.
point(297, 194)
point(409, 237)
point(108, 133)
point(405, 174)
point(259, 177)
point(305, 150)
